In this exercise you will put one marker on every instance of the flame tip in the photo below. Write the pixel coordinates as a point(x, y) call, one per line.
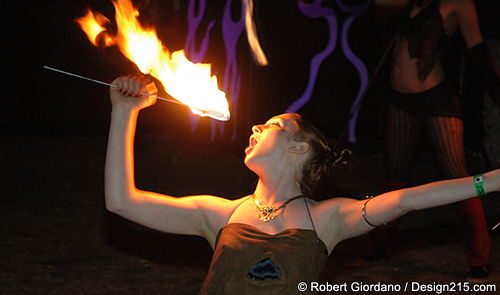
point(174, 70)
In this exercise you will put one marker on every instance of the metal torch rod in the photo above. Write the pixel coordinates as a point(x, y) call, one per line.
point(104, 83)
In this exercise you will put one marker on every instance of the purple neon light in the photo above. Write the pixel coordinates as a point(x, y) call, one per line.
point(194, 18)
point(231, 33)
point(314, 10)
point(356, 61)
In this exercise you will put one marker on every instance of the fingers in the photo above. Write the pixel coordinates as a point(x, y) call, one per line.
point(133, 92)
point(135, 86)
point(151, 89)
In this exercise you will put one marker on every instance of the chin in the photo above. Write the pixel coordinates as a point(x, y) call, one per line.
point(248, 162)
point(251, 164)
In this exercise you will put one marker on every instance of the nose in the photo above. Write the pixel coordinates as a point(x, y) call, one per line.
point(257, 129)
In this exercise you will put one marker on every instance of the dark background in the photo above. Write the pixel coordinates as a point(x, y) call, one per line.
point(43, 33)
point(57, 237)
point(38, 33)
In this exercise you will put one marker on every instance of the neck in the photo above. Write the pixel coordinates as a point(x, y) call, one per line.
point(277, 190)
point(278, 181)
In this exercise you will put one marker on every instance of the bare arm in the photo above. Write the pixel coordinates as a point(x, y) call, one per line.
point(391, 205)
point(197, 215)
point(466, 15)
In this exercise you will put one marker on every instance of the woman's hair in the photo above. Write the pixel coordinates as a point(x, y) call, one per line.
point(323, 155)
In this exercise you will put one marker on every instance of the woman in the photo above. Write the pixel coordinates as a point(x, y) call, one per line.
point(423, 100)
point(277, 237)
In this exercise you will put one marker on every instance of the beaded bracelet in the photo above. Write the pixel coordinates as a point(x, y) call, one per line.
point(478, 185)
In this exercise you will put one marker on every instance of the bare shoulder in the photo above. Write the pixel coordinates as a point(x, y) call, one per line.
point(215, 207)
point(328, 209)
point(217, 211)
point(326, 214)
point(332, 203)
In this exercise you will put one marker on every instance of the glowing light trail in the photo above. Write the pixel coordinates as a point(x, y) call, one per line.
point(257, 52)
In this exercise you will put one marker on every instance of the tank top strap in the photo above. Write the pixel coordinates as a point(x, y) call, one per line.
point(310, 218)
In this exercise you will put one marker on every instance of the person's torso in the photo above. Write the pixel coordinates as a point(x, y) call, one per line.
point(417, 64)
point(248, 260)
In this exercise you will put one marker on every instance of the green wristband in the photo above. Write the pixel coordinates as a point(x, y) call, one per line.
point(478, 185)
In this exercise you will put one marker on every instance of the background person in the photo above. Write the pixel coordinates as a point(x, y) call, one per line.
point(424, 100)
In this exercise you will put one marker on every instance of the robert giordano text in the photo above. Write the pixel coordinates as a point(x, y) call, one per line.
point(431, 288)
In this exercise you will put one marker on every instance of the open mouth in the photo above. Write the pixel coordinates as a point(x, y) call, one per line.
point(253, 141)
point(251, 144)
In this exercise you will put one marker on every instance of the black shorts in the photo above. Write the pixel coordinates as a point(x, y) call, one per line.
point(439, 101)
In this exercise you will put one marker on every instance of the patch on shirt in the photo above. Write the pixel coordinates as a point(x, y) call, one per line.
point(264, 270)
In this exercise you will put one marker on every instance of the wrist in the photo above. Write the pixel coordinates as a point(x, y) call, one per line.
point(121, 112)
point(124, 108)
point(478, 180)
point(491, 181)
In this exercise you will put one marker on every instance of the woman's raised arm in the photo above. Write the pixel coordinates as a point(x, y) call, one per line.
point(197, 215)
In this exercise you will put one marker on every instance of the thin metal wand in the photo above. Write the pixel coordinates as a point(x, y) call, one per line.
point(208, 113)
point(104, 83)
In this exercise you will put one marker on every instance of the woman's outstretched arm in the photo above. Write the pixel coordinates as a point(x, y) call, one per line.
point(391, 205)
point(197, 215)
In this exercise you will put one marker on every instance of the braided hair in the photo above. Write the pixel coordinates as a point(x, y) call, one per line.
point(323, 155)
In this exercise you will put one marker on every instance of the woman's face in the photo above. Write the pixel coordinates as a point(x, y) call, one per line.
point(271, 141)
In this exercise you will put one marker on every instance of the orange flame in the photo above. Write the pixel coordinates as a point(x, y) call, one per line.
point(93, 25)
point(190, 83)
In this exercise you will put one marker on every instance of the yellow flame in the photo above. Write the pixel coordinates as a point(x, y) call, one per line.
point(190, 83)
point(93, 25)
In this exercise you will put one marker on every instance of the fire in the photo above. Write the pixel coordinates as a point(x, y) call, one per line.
point(190, 83)
point(93, 25)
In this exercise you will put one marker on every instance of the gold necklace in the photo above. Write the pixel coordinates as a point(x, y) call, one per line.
point(268, 213)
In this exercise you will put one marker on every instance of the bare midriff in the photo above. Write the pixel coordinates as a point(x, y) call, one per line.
point(404, 72)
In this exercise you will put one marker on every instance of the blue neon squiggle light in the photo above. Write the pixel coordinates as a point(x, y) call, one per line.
point(356, 61)
point(315, 10)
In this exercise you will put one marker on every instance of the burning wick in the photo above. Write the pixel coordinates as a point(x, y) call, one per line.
point(204, 113)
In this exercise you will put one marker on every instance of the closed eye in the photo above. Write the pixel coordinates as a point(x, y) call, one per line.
point(274, 124)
